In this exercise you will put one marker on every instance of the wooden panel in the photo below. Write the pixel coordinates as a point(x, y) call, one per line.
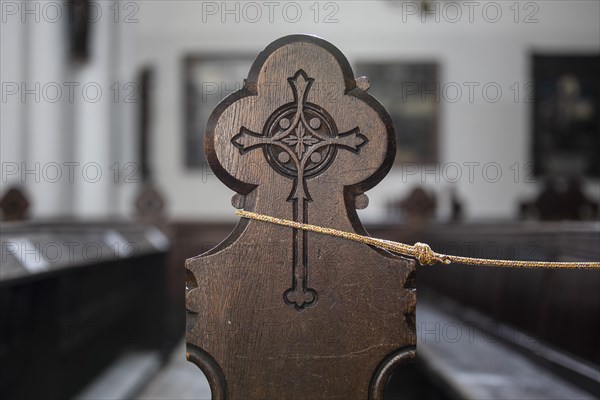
point(278, 313)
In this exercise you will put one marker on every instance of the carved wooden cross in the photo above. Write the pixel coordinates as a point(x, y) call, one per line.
point(301, 140)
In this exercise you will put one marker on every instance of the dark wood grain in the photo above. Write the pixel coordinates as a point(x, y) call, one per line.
point(274, 313)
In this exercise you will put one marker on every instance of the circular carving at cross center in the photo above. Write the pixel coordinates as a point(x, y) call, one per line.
point(300, 147)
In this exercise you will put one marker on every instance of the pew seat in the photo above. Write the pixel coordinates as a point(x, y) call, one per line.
point(74, 298)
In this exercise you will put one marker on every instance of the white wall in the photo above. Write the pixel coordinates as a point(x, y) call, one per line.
point(60, 136)
point(469, 50)
point(161, 33)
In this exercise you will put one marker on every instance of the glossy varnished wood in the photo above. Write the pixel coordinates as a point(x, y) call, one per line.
point(278, 314)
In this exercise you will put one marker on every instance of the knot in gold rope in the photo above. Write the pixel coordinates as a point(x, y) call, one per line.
point(424, 254)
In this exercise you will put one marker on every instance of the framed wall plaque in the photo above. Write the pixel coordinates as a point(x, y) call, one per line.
point(566, 115)
point(411, 94)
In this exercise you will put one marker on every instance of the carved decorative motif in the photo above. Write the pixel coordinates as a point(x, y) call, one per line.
point(300, 140)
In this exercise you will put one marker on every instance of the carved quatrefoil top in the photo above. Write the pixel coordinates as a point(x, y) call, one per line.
point(301, 115)
point(300, 139)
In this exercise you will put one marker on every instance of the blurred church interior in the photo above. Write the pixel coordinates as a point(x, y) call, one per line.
point(106, 190)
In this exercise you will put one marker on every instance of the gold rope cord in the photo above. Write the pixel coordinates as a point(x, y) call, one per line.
point(421, 251)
